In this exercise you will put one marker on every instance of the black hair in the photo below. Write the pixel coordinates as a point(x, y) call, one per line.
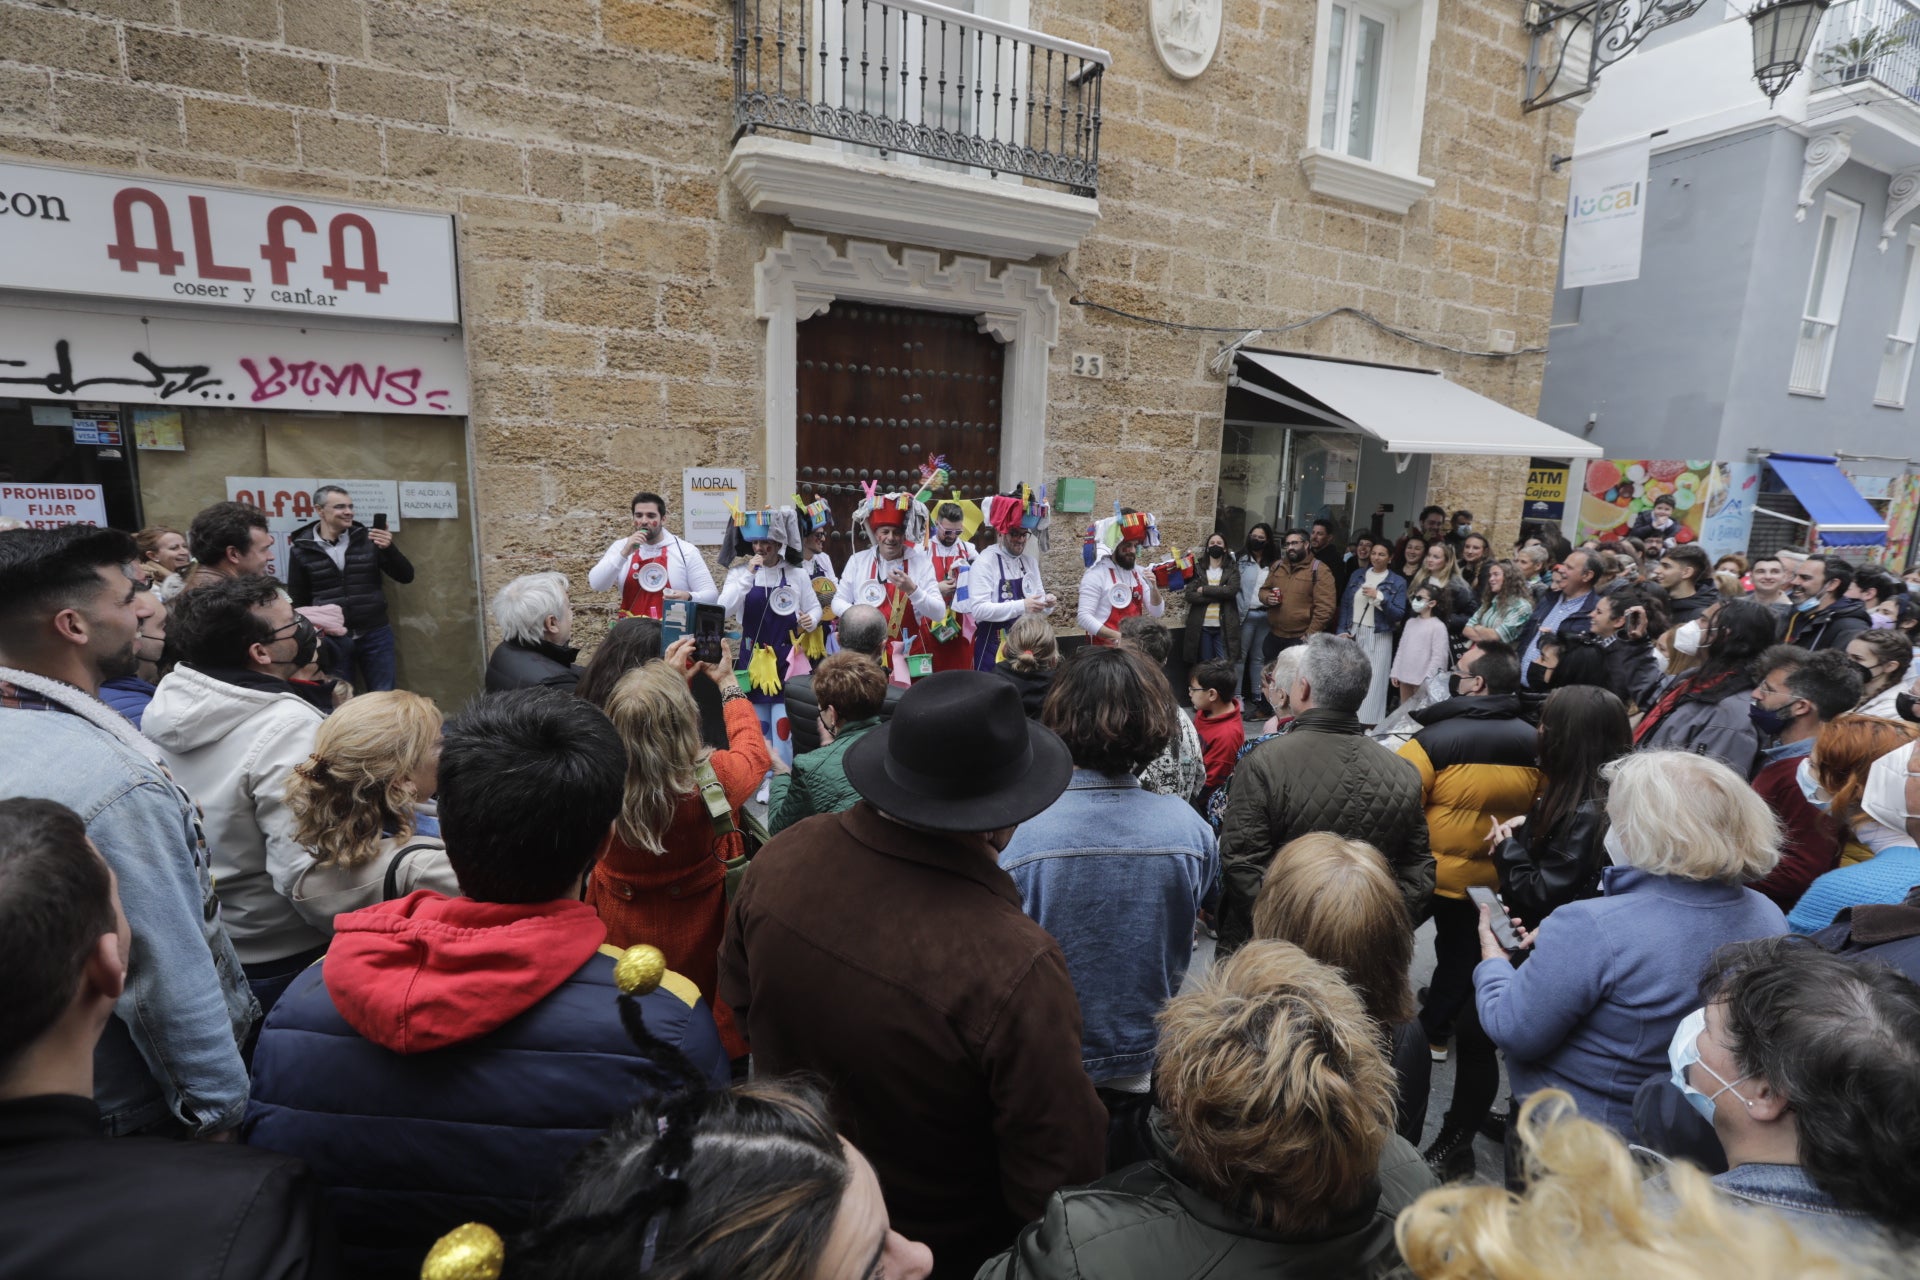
point(1582, 662)
point(1429, 510)
point(1741, 631)
point(1840, 1040)
point(654, 498)
point(1871, 577)
point(1112, 707)
point(222, 526)
point(1294, 533)
point(214, 626)
point(1636, 595)
point(530, 782)
point(1583, 728)
point(629, 643)
point(43, 571)
point(1690, 555)
point(56, 900)
point(1148, 636)
point(1906, 614)
point(1665, 499)
point(1498, 665)
point(1321, 522)
point(1218, 675)
point(949, 511)
point(1264, 557)
point(1462, 512)
point(1826, 679)
point(1835, 569)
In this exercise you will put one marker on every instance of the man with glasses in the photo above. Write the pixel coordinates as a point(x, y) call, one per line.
point(233, 727)
point(1299, 596)
point(1567, 607)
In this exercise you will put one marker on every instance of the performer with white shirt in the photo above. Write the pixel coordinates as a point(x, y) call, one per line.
point(1116, 587)
point(896, 579)
point(773, 597)
point(816, 518)
point(1003, 585)
point(651, 566)
point(947, 550)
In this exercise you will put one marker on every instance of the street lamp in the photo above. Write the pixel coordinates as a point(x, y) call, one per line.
point(1782, 35)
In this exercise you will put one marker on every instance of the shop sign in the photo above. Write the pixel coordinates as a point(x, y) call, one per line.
point(121, 237)
point(241, 364)
point(707, 498)
point(48, 506)
point(1546, 490)
point(1728, 523)
point(1606, 217)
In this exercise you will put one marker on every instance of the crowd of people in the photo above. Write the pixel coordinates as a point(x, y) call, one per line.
point(865, 935)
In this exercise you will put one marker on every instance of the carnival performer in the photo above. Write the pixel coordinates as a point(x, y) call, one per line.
point(889, 575)
point(1004, 583)
point(1114, 587)
point(951, 556)
point(816, 518)
point(651, 566)
point(774, 600)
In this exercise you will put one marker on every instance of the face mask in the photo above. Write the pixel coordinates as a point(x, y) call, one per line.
point(1884, 798)
point(1660, 659)
point(1806, 606)
point(1538, 673)
point(1879, 622)
point(1903, 706)
point(1420, 606)
point(1865, 671)
point(1687, 639)
point(1810, 787)
point(1616, 852)
point(1214, 553)
point(1683, 1052)
point(306, 641)
point(1462, 530)
point(1454, 685)
point(1767, 719)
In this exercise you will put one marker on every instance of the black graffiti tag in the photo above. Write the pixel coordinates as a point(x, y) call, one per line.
point(165, 380)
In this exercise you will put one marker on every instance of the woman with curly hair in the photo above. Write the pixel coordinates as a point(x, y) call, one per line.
point(363, 803)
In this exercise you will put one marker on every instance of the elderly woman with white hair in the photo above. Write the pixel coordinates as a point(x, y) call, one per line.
point(1609, 978)
point(535, 617)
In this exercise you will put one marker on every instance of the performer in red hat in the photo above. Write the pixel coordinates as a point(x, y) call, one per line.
point(890, 575)
point(1116, 587)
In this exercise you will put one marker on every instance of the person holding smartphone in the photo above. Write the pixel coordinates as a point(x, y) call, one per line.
point(1627, 619)
point(338, 561)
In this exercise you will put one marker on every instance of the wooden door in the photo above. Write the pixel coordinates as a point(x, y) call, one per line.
point(880, 388)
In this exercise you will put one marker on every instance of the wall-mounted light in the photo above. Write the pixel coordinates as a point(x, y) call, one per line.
point(1782, 34)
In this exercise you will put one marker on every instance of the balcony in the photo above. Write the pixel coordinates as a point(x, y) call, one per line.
point(1812, 357)
point(913, 121)
point(1870, 42)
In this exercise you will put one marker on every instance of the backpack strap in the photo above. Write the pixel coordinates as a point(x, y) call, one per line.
point(714, 796)
point(391, 887)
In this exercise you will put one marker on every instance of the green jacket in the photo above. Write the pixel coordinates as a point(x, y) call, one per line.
point(1145, 1223)
point(818, 783)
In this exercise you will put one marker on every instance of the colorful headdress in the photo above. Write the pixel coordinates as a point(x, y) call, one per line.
point(765, 524)
point(934, 474)
point(814, 516)
point(1122, 526)
point(901, 511)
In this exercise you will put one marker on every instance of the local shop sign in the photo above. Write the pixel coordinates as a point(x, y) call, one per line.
point(117, 237)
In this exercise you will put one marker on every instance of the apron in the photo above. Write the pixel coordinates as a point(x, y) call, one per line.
point(955, 654)
point(986, 635)
point(761, 626)
point(896, 608)
point(636, 601)
point(816, 575)
point(1117, 614)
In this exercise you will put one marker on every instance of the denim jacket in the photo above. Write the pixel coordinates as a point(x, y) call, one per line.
point(173, 1048)
point(1386, 615)
point(1788, 1191)
point(1116, 875)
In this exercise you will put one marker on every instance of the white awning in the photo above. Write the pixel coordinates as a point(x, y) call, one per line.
point(1408, 410)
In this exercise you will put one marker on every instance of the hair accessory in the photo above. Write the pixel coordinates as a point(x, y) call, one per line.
point(815, 516)
point(639, 970)
point(472, 1251)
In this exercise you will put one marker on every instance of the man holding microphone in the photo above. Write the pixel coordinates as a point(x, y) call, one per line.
point(651, 566)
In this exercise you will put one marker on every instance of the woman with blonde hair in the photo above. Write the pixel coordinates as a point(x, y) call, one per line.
point(1275, 1150)
point(362, 803)
point(1336, 900)
point(1589, 1210)
point(1453, 598)
point(1033, 655)
point(1609, 978)
point(661, 877)
point(165, 557)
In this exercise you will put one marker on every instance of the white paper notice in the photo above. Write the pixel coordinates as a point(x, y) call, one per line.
point(429, 499)
point(48, 506)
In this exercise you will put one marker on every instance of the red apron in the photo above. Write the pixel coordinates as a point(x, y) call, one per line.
point(948, 655)
point(635, 600)
point(1134, 605)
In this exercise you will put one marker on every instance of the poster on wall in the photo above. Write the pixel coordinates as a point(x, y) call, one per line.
point(1901, 515)
point(705, 493)
point(1618, 490)
point(48, 506)
point(288, 504)
point(159, 429)
point(1727, 526)
point(1546, 490)
point(1606, 208)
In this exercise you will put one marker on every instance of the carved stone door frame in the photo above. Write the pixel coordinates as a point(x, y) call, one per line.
point(805, 275)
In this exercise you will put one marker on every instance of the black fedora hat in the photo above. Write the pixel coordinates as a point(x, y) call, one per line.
point(960, 755)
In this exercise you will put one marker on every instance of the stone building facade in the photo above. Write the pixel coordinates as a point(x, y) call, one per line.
point(608, 267)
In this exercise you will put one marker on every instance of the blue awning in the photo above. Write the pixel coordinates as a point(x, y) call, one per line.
point(1844, 517)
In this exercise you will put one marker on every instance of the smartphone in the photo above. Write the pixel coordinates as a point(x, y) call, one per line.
point(1502, 927)
point(379, 519)
point(674, 622)
point(709, 625)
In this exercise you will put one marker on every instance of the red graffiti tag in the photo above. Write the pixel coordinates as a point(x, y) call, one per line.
point(314, 378)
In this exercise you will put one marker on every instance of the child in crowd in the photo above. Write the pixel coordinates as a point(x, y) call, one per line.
point(1217, 717)
point(1423, 644)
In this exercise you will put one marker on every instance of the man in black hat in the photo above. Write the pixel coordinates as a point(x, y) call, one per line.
point(884, 950)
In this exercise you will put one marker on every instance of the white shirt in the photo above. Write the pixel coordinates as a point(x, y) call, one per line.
point(1095, 604)
point(928, 604)
point(822, 566)
point(992, 567)
point(686, 568)
point(742, 578)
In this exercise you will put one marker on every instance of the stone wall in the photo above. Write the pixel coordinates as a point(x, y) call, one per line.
point(606, 267)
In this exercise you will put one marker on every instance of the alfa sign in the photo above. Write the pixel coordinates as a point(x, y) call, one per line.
point(89, 233)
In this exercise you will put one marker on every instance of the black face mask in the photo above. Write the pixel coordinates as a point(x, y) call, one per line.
point(1538, 674)
point(1905, 708)
point(306, 642)
point(1215, 553)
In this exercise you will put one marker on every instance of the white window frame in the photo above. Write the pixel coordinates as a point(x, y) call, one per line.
point(1896, 361)
point(1353, 14)
point(1812, 366)
point(1390, 181)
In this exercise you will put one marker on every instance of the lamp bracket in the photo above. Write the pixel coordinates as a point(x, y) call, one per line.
point(1571, 44)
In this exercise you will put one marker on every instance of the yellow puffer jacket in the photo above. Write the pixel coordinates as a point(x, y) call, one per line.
point(1478, 764)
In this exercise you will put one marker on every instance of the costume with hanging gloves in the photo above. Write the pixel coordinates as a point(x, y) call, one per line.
point(1001, 582)
point(776, 605)
point(1115, 587)
point(904, 588)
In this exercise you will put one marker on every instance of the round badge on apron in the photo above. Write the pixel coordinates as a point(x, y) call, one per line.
point(653, 576)
point(783, 600)
point(872, 592)
point(1120, 594)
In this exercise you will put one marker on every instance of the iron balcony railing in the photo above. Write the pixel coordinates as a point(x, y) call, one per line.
point(1876, 40)
point(915, 78)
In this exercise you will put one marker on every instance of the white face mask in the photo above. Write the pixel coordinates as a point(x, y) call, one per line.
point(1687, 639)
point(1420, 606)
point(1817, 796)
point(1660, 659)
point(1884, 798)
point(1616, 851)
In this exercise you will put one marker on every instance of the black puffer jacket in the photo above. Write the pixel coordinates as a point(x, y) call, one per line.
point(313, 578)
point(1323, 775)
point(525, 666)
point(1828, 628)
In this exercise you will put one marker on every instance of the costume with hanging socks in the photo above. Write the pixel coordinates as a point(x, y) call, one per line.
point(1109, 595)
point(1000, 582)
